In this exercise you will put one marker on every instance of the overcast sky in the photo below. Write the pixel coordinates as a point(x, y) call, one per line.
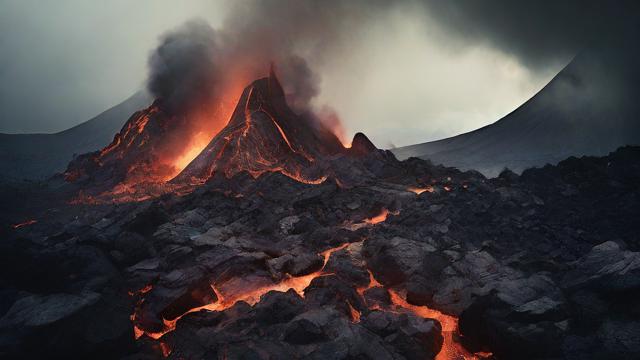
point(404, 73)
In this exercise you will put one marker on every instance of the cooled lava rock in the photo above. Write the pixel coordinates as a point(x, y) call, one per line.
point(378, 260)
point(265, 135)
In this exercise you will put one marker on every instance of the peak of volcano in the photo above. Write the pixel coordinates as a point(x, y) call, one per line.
point(140, 152)
point(262, 135)
point(265, 135)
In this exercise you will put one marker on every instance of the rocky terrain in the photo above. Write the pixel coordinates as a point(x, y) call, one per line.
point(411, 261)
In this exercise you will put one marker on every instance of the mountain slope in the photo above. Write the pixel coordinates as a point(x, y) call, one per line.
point(264, 135)
point(37, 156)
point(589, 108)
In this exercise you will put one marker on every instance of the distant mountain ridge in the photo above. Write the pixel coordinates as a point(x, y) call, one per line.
point(38, 156)
point(589, 108)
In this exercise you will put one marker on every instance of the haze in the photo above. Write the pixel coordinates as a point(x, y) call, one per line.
point(400, 76)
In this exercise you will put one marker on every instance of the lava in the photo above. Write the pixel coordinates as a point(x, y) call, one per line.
point(451, 349)
point(420, 190)
point(141, 291)
point(263, 135)
point(355, 314)
point(382, 216)
point(24, 223)
point(166, 350)
point(197, 143)
point(251, 297)
point(157, 149)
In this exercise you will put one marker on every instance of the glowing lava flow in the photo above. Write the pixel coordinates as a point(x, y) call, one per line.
point(25, 223)
point(381, 217)
point(199, 142)
point(451, 350)
point(298, 284)
point(420, 190)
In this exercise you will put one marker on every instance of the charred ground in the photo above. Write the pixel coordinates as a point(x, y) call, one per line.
point(541, 265)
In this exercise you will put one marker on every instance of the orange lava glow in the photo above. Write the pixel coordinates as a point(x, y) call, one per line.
point(251, 297)
point(24, 223)
point(166, 350)
point(142, 291)
point(420, 190)
point(355, 314)
point(451, 350)
point(382, 216)
point(196, 145)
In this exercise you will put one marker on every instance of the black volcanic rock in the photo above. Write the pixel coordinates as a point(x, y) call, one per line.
point(361, 145)
point(544, 264)
point(264, 135)
point(135, 154)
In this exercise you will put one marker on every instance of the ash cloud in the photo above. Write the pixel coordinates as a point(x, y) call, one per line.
point(195, 66)
point(194, 63)
point(536, 32)
point(184, 69)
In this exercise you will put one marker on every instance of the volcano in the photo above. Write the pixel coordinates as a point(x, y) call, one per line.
point(260, 258)
point(262, 135)
point(265, 135)
point(127, 156)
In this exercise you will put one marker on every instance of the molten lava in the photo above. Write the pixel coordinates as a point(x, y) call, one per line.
point(166, 350)
point(24, 223)
point(240, 293)
point(382, 216)
point(420, 190)
point(152, 147)
point(265, 135)
point(451, 350)
point(158, 150)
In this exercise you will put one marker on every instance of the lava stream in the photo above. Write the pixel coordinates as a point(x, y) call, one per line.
point(381, 217)
point(298, 284)
point(451, 350)
point(25, 223)
point(420, 190)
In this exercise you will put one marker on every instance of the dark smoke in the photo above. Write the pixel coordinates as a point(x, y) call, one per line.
point(194, 63)
point(538, 32)
point(184, 70)
point(196, 66)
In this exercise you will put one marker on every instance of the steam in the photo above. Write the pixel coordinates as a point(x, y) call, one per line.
point(196, 67)
point(184, 70)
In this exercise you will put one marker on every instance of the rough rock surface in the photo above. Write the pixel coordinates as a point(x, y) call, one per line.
point(542, 265)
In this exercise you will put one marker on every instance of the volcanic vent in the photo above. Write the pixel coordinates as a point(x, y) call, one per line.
point(152, 147)
point(265, 135)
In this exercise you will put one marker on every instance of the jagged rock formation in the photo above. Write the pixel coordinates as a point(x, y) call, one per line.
point(265, 135)
point(129, 156)
point(541, 265)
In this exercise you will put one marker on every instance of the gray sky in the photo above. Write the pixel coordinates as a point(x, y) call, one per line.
point(402, 74)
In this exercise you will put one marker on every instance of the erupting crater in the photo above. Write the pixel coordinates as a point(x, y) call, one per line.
point(265, 135)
